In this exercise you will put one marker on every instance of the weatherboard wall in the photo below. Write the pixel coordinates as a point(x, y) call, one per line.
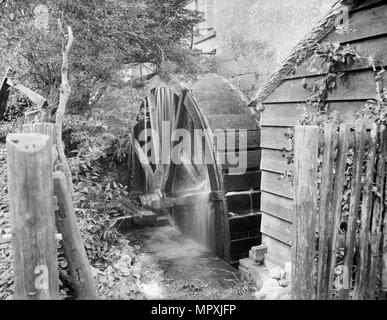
point(368, 35)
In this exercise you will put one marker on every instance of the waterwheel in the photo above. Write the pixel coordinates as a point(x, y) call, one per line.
point(196, 155)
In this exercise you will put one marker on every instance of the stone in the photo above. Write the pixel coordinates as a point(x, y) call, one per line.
point(270, 291)
point(276, 273)
point(257, 254)
point(145, 218)
point(283, 283)
point(253, 273)
point(163, 221)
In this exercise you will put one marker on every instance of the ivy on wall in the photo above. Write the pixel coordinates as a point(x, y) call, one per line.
point(330, 59)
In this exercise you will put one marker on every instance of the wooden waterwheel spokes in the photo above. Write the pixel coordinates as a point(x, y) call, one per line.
point(163, 113)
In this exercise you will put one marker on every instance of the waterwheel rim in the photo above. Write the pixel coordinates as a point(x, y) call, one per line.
point(212, 103)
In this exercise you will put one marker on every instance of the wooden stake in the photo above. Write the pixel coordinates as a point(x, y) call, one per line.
point(4, 94)
point(377, 216)
point(344, 137)
point(325, 212)
point(30, 187)
point(83, 281)
point(365, 218)
point(357, 170)
point(305, 203)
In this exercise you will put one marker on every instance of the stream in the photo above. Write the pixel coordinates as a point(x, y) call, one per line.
point(175, 267)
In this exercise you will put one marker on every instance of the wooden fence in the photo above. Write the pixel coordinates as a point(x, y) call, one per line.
point(41, 204)
point(339, 236)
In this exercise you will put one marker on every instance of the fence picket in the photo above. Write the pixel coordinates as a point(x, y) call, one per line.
point(366, 276)
point(357, 170)
point(344, 138)
point(305, 203)
point(377, 215)
point(325, 212)
point(365, 219)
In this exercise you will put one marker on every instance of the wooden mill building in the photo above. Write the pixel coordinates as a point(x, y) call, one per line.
point(282, 103)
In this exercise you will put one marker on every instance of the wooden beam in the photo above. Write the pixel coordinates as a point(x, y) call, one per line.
point(150, 176)
point(33, 96)
point(66, 222)
point(30, 186)
point(4, 93)
point(305, 204)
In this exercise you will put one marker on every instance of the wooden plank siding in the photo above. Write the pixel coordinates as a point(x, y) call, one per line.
point(277, 184)
point(274, 113)
point(363, 24)
point(285, 106)
point(277, 251)
point(357, 85)
point(375, 48)
point(274, 161)
point(277, 206)
point(274, 138)
point(277, 228)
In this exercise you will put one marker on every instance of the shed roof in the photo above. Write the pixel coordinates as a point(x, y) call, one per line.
point(304, 49)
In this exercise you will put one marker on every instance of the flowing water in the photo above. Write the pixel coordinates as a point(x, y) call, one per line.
point(196, 220)
point(176, 267)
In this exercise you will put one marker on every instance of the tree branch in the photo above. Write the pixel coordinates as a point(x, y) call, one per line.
point(65, 91)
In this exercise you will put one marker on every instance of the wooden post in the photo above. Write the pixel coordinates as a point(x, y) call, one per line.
point(43, 128)
point(365, 217)
point(66, 222)
point(356, 185)
point(344, 137)
point(4, 93)
point(384, 254)
point(31, 198)
point(384, 241)
point(325, 212)
point(377, 216)
point(305, 203)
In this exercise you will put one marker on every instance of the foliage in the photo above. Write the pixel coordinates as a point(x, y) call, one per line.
point(377, 109)
point(108, 36)
point(327, 60)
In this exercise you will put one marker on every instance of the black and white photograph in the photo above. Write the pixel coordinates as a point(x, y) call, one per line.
point(193, 156)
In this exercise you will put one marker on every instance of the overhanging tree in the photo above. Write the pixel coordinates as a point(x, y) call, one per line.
point(108, 35)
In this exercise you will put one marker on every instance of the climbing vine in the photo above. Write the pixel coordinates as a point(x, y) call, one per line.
point(328, 59)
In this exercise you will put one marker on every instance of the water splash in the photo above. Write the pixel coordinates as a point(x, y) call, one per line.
point(196, 220)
